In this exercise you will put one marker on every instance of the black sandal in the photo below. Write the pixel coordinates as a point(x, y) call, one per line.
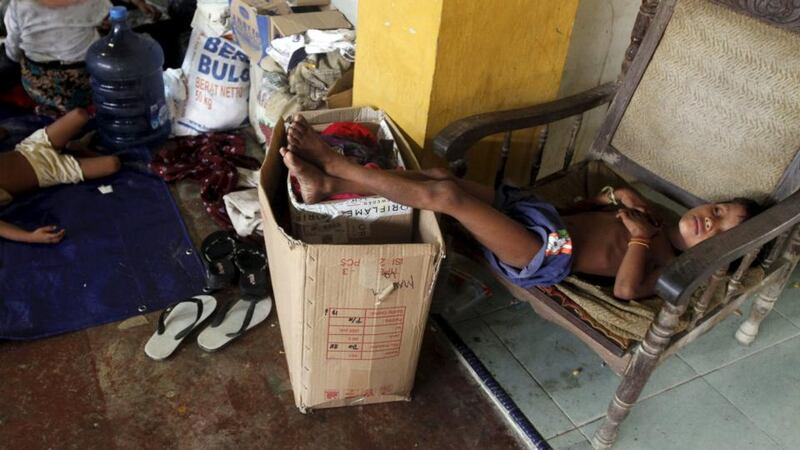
point(251, 260)
point(218, 250)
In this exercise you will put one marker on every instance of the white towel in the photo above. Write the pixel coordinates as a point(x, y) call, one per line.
point(244, 210)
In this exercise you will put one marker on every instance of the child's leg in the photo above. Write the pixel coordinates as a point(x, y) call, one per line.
point(481, 192)
point(324, 186)
point(307, 143)
point(509, 240)
point(66, 127)
point(99, 166)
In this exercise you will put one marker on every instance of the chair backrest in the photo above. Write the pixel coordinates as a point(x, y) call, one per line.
point(710, 108)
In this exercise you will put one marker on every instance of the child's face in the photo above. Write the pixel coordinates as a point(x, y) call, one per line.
point(705, 221)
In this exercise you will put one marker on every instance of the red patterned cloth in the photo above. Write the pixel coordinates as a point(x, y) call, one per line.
point(210, 159)
point(351, 131)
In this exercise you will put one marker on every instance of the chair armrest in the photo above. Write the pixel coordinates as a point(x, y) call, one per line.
point(454, 140)
point(692, 268)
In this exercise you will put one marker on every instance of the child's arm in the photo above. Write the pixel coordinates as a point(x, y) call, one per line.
point(623, 197)
point(41, 235)
point(633, 279)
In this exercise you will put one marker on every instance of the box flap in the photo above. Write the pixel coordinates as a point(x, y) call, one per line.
point(286, 258)
point(357, 114)
point(299, 23)
point(344, 83)
point(269, 7)
point(296, 3)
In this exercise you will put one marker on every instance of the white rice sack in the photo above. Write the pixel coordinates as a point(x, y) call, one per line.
point(217, 75)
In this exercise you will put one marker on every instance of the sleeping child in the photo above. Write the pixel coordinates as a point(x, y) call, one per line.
point(523, 238)
point(38, 162)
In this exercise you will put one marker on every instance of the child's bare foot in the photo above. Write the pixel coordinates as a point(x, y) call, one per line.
point(315, 186)
point(307, 144)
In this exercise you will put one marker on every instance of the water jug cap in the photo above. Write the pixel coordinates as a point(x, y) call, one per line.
point(118, 13)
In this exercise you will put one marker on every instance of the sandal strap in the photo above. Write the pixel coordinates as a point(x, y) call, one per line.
point(219, 316)
point(248, 316)
point(163, 317)
point(252, 264)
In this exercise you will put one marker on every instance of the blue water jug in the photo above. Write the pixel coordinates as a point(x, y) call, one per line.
point(127, 86)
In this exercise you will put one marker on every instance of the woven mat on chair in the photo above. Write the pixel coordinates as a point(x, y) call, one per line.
point(625, 322)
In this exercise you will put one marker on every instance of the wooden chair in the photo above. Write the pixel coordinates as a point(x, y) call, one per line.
point(709, 109)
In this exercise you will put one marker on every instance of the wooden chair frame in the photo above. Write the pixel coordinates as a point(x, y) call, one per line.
point(777, 228)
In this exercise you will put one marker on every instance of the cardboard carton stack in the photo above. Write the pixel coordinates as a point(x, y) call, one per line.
point(352, 316)
point(257, 22)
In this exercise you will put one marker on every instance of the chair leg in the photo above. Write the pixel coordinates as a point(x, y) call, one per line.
point(766, 299)
point(637, 373)
point(762, 306)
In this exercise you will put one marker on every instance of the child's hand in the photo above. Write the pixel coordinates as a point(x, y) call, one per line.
point(639, 224)
point(631, 199)
point(148, 9)
point(46, 235)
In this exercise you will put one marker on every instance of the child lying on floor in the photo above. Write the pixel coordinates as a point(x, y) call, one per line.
point(37, 162)
point(524, 239)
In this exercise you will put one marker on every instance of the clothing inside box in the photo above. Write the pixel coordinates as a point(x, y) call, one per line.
point(351, 217)
point(279, 199)
point(386, 144)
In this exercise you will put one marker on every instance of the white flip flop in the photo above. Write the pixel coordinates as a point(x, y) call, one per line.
point(242, 315)
point(176, 322)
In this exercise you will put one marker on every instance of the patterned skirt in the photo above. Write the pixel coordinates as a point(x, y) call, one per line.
point(55, 85)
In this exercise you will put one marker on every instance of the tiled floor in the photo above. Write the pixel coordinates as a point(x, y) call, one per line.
point(716, 394)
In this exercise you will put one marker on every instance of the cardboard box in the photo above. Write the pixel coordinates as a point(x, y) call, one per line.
point(251, 24)
point(255, 23)
point(351, 316)
point(299, 3)
point(364, 220)
point(299, 23)
point(340, 94)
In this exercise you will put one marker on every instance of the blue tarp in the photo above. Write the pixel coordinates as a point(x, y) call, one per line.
point(123, 253)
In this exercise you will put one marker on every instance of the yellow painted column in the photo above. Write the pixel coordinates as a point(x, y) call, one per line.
point(429, 62)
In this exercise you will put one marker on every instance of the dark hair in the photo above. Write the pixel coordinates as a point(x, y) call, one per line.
point(751, 207)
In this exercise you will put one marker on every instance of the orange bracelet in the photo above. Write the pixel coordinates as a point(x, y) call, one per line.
point(639, 242)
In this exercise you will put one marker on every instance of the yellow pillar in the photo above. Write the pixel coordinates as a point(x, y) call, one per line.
point(429, 62)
